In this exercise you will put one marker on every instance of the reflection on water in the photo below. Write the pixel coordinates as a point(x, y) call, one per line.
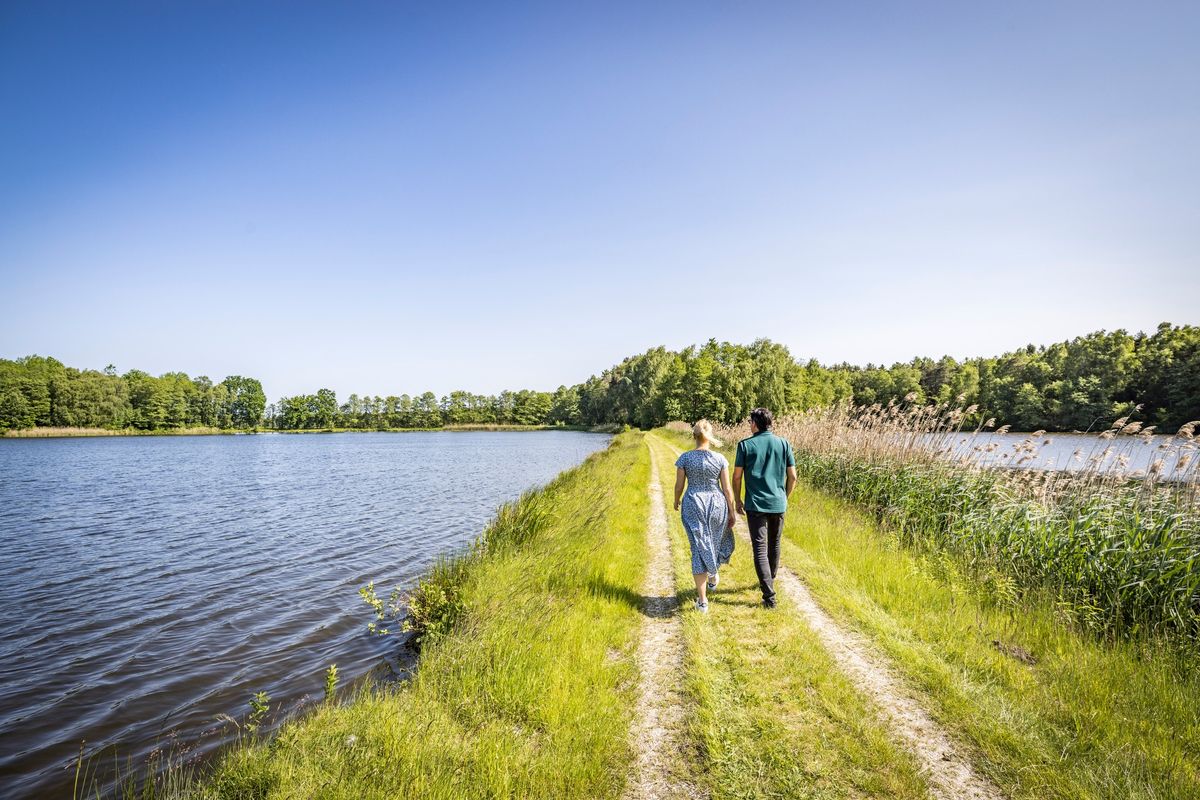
point(148, 584)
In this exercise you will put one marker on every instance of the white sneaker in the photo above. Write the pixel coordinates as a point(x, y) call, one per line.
point(713, 580)
point(702, 607)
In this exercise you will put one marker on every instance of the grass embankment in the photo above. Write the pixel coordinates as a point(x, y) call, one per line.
point(1089, 718)
point(529, 690)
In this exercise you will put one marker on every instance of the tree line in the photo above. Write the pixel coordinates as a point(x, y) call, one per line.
point(36, 391)
point(526, 407)
point(1081, 384)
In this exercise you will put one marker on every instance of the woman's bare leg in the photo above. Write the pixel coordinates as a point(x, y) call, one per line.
point(701, 586)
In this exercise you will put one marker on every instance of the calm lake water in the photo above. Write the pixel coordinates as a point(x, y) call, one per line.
point(1075, 451)
point(148, 584)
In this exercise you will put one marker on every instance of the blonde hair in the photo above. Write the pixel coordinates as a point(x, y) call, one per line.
point(702, 432)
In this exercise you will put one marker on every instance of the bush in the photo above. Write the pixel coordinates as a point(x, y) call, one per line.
point(436, 604)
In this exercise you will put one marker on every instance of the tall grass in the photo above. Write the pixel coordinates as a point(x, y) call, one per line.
point(1118, 550)
point(437, 602)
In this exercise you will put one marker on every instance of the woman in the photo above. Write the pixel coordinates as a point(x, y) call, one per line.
point(708, 512)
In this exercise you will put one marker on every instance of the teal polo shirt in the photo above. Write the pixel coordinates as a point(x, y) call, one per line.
point(764, 459)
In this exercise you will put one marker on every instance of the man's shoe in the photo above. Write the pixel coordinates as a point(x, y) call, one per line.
point(768, 603)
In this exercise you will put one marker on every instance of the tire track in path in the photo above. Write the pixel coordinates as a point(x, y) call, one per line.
point(950, 774)
point(657, 732)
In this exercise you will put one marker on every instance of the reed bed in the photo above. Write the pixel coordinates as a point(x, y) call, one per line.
point(1116, 549)
point(49, 432)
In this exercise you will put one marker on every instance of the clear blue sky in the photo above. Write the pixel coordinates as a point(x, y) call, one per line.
point(390, 197)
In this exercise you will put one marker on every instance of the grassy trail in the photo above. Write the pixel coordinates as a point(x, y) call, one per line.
point(1040, 710)
point(776, 715)
point(948, 773)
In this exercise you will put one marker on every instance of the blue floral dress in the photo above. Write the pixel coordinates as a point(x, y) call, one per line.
point(705, 512)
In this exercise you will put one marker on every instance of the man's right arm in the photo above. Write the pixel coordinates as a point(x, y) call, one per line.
point(737, 491)
point(791, 469)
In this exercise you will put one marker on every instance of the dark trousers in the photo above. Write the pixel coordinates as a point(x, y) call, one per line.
point(765, 533)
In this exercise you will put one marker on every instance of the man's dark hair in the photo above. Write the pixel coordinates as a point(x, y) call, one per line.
point(762, 418)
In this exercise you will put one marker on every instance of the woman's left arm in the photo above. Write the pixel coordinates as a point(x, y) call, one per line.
point(728, 490)
point(680, 482)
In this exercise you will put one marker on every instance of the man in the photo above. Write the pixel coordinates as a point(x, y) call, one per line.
point(768, 466)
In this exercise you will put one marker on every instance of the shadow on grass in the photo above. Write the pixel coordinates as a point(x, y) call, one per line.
point(660, 606)
point(654, 606)
point(723, 589)
point(747, 603)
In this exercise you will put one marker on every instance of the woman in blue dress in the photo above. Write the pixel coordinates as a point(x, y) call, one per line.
point(708, 510)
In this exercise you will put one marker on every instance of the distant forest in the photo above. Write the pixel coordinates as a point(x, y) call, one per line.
point(1082, 384)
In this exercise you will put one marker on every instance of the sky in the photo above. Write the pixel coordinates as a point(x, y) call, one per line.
point(399, 197)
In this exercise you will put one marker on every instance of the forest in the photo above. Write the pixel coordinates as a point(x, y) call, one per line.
point(1081, 384)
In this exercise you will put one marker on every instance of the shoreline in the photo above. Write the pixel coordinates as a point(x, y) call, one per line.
point(609, 428)
point(78, 433)
point(205, 744)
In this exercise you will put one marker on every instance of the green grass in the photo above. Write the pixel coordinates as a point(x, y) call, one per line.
point(527, 681)
point(1090, 719)
point(775, 717)
point(529, 694)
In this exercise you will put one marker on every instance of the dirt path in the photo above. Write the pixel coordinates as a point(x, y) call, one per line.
point(950, 775)
point(657, 731)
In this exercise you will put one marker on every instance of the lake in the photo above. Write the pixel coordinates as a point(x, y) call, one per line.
point(149, 584)
point(1076, 451)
